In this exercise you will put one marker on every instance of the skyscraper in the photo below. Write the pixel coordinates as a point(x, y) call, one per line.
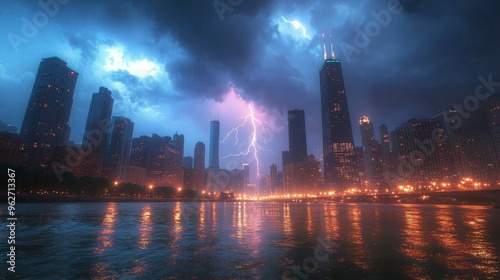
point(418, 161)
point(119, 146)
point(273, 174)
point(371, 152)
point(98, 123)
point(45, 124)
point(213, 153)
point(199, 156)
point(297, 135)
point(338, 146)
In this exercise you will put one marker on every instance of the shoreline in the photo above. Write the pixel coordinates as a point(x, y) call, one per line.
point(29, 198)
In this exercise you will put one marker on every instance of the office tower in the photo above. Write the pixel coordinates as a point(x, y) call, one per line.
point(302, 177)
point(371, 153)
point(178, 140)
point(213, 153)
point(246, 175)
point(45, 124)
point(96, 132)
point(384, 138)
point(474, 156)
point(164, 162)
point(492, 108)
point(338, 146)
point(139, 151)
point(297, 135)
point(273, 174)
point(285, 158)
point(119, 146)
point(421, 152)
point(385, 150)
point(360, 161)
point(199, 156)
point(187, 162)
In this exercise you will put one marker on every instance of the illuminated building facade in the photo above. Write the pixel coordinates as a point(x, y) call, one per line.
point(340, 169)
point(422, 151)
point(164, 163)
point(45, 125)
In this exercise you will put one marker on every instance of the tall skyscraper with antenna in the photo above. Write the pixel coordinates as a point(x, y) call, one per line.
point(340, 168)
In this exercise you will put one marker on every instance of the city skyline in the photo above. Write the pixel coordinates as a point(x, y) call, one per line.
point(152, 86)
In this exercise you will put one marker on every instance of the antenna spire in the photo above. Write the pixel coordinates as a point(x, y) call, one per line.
point(331, 44)
point(324, 46)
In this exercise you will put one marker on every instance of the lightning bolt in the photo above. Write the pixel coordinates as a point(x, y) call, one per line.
point(252, 148)
point(297, 25)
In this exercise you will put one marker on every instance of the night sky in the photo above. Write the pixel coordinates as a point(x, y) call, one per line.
point(175, 65)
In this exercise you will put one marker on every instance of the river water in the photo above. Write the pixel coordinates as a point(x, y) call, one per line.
point(254, 240)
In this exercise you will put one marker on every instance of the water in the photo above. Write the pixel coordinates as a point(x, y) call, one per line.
point(254, 240)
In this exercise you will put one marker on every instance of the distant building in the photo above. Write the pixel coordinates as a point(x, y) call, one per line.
point(187, 162)
point(199, 156)
point(136, 175)
point(45, 125)
point(371, 154)
point(7, 127)
point(119, 146)
point(302, 177)
point(273, 176)
point(339, 160)
point(213, 153)
point(297, 135)
point(164, 163)
point(98, 125)
point(9, 145)
point(420, 160)
point(140, 150)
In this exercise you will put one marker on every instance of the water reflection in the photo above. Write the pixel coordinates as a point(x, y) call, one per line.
point(145, 228)
point(479, 247)
point(415, 243)
point(105, 235)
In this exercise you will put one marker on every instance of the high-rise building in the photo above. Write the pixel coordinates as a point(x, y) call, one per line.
point(199, 156)
point(273, 174)
point(119, 146)
point(98, 124)
point(45, 124)
point(187, 162)
point(164, 163)
point(139, 151)
point(297, 135)
point(246, 175)
point(492, 108)
point(213, 153)
point(371, 153)
point(385, 151)
point(420, 158)
point(178, 140)
point(474, 155)
point(338, 146)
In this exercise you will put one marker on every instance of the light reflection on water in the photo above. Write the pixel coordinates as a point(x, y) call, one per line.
point(252, 240)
